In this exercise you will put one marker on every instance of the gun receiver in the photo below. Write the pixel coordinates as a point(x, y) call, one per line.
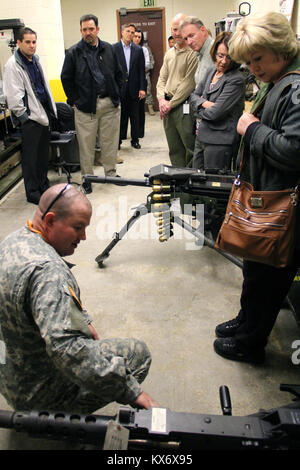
point(160, 428)
point(177, 180)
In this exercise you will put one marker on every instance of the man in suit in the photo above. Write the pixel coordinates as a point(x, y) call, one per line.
point(132, 61)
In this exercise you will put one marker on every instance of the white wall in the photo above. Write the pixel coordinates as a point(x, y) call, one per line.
point(44, 17)
point(57, 21)
point(259, 6)
point(208, 12)
point(72, 10)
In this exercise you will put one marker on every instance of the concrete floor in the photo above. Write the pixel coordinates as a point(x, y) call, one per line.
point(168, 294)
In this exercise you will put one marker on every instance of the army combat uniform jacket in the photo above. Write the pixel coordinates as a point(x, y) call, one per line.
point(48, 357)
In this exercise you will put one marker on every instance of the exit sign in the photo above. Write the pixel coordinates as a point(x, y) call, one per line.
point(148, 3)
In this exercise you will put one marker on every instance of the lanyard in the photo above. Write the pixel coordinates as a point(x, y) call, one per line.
point(29, 224)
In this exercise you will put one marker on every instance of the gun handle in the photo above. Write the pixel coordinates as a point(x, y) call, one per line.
point(225, 400)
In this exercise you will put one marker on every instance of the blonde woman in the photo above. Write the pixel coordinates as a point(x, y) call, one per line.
point(271, 146)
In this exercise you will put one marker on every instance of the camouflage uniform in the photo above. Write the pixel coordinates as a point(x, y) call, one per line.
point(48, 356)
point(149, 97)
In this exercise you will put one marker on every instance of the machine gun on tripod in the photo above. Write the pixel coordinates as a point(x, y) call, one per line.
point(167, 431)
point(169, 184)
point(194, 187)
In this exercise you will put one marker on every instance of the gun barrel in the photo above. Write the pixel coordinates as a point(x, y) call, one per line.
point(190, 430)
point(6, 419)
point(117, 180)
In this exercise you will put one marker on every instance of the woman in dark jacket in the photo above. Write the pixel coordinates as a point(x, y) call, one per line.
point(271, 145)
point(218, 103)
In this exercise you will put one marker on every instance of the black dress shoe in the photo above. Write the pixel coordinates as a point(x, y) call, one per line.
point(135, 145)
point(87, 187)
point(227, 329)
point(227, 348)
point(34, 198)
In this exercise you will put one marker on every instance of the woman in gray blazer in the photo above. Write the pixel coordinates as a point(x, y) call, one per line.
point(218, 103)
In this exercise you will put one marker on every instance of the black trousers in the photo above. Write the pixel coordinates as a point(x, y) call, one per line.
point(34, 158)
point(264, 290)
point(142, 118)
point(129, 111)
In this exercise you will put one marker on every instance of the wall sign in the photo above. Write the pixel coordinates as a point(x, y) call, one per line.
point(148, 3)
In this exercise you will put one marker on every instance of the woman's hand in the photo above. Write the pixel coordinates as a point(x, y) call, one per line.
point(244, 122)
point(207, 104)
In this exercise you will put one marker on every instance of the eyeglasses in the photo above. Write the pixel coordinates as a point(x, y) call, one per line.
point(223, 56)
point(56, 199)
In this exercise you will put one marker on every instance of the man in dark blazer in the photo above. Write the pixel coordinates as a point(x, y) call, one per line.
point(132, 61)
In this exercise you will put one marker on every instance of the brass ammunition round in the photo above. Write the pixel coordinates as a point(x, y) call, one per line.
point(161, 197)
point(160, 206)
point(164, 230)
point(161, 222)
point(160, 187)
point(166, 216)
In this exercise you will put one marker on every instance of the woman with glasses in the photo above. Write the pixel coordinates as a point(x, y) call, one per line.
point(218, 103)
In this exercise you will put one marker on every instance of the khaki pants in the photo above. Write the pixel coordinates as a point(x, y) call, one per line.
point(106, 124)
point(180, 137)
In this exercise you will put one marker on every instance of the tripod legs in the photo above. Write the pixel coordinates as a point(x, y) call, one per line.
point(143, 209)
point(140, 210)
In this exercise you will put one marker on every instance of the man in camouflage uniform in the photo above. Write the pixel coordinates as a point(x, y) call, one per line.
point(50, 354)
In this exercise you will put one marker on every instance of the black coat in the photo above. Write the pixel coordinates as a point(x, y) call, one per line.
point(136, 79)
point(77, 79)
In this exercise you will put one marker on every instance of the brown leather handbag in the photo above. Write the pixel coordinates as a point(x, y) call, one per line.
point(259, 225)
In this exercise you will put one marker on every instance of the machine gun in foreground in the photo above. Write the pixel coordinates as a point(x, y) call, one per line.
point(190, 187)
point(164, 430)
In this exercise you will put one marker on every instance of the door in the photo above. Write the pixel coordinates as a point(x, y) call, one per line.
point(151, 22)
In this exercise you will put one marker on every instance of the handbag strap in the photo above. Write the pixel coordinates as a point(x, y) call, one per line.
point(279, 91)
point(260, 106)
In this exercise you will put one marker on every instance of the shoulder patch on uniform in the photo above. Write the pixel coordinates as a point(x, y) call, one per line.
point(75, 299)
